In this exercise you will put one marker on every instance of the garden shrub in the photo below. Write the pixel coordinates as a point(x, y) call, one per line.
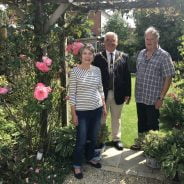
point(167, 149)
point(172, 112)
point(65, 139)
point(172, 158)
point(152, 144)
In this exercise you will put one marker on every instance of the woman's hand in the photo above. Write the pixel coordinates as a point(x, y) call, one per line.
point(67, 97)
point(74, 116)
point(75, 119)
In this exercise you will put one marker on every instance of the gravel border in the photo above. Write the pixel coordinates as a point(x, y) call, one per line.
point(99, 176)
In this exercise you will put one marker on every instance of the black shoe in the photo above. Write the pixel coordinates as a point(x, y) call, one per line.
point(96, 165)
point(135, 147)
point(118, 145)
point(77, 175)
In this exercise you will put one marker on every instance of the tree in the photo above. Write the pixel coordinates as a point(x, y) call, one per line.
point(167, 21)
point(119, 26)
point(126, 35)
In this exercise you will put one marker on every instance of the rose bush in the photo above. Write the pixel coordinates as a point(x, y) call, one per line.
point(74, 47)
point(73, 53)
point(172, 113)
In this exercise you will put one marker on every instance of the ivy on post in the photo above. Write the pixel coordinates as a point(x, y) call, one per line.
point(39, 31)
point(63, 78)
point(42, 28)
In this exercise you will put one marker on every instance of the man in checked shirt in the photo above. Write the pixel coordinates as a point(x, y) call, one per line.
point(153, 78)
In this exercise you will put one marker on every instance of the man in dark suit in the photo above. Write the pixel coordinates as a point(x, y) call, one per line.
point(116, 81)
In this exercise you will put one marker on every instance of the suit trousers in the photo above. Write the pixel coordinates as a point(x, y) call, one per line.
point(115, 113)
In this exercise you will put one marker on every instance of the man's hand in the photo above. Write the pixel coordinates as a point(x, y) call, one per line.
point(158, 104)
point(127, 99)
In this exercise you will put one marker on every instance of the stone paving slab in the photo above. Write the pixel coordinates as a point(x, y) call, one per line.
point(129, 162)
point(111, 157)
point(119, 167)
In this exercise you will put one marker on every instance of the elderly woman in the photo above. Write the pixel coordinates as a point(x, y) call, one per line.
point(86, 98)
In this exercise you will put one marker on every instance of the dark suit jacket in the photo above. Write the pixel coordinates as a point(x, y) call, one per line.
point(122, 77)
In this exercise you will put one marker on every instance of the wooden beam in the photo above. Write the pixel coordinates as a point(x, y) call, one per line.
point(6, 1)
point(112, 2)
point(87, 5)
point(125, 5)
point(55, 16)
point(73, 1)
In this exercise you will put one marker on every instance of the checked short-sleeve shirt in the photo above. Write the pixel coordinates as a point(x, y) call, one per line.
point(150, 75)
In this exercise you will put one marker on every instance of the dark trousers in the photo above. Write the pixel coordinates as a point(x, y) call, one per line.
point(87, 132)
point(148, 117)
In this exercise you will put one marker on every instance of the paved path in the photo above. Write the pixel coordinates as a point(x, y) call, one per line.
point(120, 167)
point(129, 162)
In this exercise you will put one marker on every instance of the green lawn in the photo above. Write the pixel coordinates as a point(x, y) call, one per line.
point(129, 120)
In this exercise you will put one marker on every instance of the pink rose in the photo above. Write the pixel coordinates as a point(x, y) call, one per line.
point(3, 90)
point(41, 92)
point(42, 66)
point(49, 89)
point(47, 60)
point(76, 47)
point(69, 48)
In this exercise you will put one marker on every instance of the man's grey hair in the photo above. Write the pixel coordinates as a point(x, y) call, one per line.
point(111, 34)
point(153, 31)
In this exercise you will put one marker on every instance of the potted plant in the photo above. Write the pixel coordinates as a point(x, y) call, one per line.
point(172, 158)
point(153, 148)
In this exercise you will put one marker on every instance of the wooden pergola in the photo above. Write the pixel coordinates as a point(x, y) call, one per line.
point(113, 4)
point(74, 5)
point(87, 5)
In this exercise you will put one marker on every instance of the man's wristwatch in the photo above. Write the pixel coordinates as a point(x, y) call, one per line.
point(160, 98)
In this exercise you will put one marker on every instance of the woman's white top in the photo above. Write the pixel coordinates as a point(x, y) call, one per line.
point(85, 88)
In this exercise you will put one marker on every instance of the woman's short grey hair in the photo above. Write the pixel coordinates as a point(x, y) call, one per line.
point(87, 46)
point(111, 34)
point(153, 31)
